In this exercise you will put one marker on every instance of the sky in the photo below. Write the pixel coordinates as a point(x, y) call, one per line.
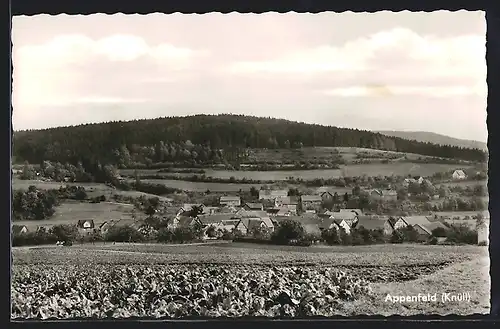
point(375, 71)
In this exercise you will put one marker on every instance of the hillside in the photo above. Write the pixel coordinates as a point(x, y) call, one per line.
point(429, 137)
point(204, 139)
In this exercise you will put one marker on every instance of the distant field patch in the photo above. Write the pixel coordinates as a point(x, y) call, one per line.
point(70, 212)
point(235, 253)
point(201, 186)
point(375, 169)
point(470, 183)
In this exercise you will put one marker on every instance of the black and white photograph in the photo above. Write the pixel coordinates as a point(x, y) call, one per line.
point(275, 165)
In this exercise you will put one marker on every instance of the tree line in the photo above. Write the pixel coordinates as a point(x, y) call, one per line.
point(203, 139)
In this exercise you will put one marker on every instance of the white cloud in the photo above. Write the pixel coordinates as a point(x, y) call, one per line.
point(398, 57)
point(385, 91)
point(52, 73)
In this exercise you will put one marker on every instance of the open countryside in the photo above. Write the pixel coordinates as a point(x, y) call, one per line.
point(375, 220)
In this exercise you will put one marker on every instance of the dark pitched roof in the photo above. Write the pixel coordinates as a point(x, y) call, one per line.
point(82, 222)
point(311, 198)
point(254, 205)
point(370, 223)
point(413, 220)
point(17, 228)
point(215, 219)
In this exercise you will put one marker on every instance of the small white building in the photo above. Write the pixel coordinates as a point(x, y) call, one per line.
point(233, 201)
point(459, 174)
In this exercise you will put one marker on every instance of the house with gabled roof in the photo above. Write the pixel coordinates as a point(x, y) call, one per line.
point(459, 174)
point(230, 200)
point(246, 225)
point(383, 194)
point(272, 194)
point(311, 202)
point(85, 224)
point(253, 206)
point(411, 221)
point(19, 229)
point(369, 223)
point(338, 224)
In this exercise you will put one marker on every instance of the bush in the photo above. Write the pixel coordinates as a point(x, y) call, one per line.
point(439, 232)
point(33, 238)
point(287, 231)
point(433, 240)
point(64, 232)
point(461, 234)
point(124, 233)
point(397, 237)
point(179, 234)
point(331, 236)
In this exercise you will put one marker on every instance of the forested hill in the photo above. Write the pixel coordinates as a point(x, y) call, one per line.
point(424, 136)
point(205, 134)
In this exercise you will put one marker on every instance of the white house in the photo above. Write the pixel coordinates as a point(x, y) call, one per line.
point(234, 201)
point(272, 194)
point(459, 174)
point(19, 229)
point(337, 223)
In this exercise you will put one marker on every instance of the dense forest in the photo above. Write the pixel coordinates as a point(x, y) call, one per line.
point(202, 139)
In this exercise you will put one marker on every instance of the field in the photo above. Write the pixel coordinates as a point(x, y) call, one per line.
point(471, 183)
point(373, 169)
point(92, 189)
point(348, 154)
point(295, 280)
point(70, 212)
point(201, 186)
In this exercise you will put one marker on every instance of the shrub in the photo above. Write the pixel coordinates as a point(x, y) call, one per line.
point(397, 237)
point(345, 239)
point(33, 238)
point(439, 232)
point(461, 234)
point(288, 230)
point(331, 236)
point(64, 232)
point(433, 240)
point(124, 233)
point(179, 234)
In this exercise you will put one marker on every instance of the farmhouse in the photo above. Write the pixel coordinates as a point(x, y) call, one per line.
point(184, 221)
point(286, 201)
point(246, 225)
point(348, 216)
point(272, 194)
point(459, 174)
point(253, 206)
point(337, 223)
point(285, 210)
point(385, 195)
point(104, 227)
point(411, 221)
point(328, 196)
point(311, 202)
point(189, 206)
point(234, 201)
point(85, 226)
point(19, 229)
point(370, 223)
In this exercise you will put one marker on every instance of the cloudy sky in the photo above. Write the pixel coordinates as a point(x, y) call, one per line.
point(380, 71)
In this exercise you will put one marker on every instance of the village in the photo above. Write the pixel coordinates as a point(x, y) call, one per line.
point(235, 217)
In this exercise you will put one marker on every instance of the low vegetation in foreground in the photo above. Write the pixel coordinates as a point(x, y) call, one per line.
point(137, 280)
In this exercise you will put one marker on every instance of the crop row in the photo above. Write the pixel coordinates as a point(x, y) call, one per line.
point(177, 291)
